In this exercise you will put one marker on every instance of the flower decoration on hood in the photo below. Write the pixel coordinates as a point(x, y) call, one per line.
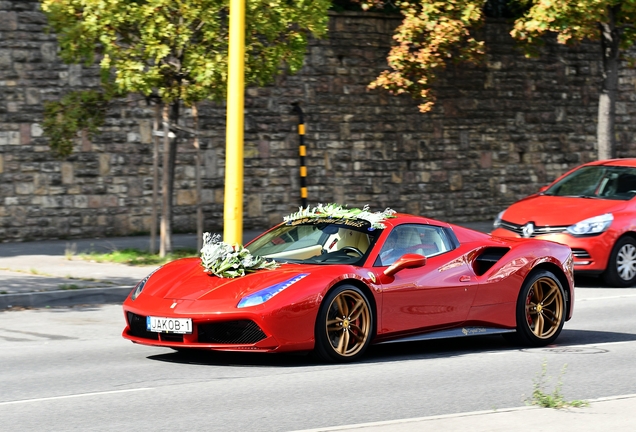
point(227, 261)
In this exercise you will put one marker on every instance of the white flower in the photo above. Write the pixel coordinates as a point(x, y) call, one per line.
point(336, 211)
point(223, 260)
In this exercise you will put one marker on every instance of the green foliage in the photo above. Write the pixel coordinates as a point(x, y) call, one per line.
point(75, 112)
point(576, 20)
point(66, 287)
point(434, 32)
point(554, 399)
point(431, 34)
point(136, 257)
point(177, 49)
point(336, 211)
point(382, 6)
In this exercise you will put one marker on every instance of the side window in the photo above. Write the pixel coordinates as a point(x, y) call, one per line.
point(425, 240)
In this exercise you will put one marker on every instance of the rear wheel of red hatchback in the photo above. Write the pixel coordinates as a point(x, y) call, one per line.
point(621, 267)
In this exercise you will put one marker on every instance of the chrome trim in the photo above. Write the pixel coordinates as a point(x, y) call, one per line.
point(537, 231)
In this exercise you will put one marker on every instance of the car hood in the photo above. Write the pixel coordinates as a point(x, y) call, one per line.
point(545, 210)
point(185, 279)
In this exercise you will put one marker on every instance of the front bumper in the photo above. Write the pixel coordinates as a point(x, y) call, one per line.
point(224, 335)
point(219, 325)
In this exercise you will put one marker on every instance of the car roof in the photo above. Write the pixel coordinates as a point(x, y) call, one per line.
point(404, 218)
point(628, 162)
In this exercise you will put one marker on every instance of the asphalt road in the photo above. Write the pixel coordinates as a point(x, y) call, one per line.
point(69, 369)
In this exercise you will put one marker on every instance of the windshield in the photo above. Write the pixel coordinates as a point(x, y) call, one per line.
point(598, 181)
point(317, 241)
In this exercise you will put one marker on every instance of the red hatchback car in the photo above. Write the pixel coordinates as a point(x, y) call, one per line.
point(591, 209)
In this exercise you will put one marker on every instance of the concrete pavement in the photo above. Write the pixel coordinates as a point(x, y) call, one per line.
point(50, 273)
point(46, 273)
point(616, 414)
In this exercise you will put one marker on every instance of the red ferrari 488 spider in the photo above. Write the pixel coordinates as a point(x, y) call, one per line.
point(335, 280)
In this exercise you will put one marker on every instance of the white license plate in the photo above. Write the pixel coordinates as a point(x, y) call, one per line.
point(169, 325)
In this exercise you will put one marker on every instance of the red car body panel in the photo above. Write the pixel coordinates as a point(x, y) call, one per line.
point(447, 292)
point(562, 211)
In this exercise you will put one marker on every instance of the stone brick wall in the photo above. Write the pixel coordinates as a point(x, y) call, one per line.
point(498, 132)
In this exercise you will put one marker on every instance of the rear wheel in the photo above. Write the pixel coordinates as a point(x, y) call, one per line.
point(540, 310)
point(344, 325)
point(621, 268)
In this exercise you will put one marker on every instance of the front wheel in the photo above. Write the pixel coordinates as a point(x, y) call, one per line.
point(540, 310)
point(621, 268)
point(344, 325)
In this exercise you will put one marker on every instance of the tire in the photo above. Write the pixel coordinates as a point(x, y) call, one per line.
point(540, 310)
point(344, 326)
point(621, 267)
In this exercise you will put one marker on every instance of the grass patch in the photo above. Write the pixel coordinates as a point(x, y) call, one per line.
point(542, 398)
point(137, 257)
point(70, 250)
point(65, 287)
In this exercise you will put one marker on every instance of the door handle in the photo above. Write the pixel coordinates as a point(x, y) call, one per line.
point(464, 278)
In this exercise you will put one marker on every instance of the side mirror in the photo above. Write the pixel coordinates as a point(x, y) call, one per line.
point(407, 261)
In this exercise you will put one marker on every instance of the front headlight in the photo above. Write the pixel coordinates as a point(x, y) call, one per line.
point(140, 286)
point(595, 225)
point(265, 294)
point(497, 222)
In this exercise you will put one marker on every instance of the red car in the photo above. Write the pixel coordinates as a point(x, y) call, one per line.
point(334, 281)
point(591, 209)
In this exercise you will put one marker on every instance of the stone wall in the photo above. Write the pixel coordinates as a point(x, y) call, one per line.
point(498, 132)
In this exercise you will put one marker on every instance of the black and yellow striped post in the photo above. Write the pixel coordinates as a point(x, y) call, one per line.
point(303, 153)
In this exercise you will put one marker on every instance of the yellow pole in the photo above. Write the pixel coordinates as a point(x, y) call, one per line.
point(233, 204)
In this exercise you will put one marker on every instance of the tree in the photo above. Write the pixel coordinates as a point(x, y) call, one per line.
point(434, 33)
point(610, 22)
point(175, 52)
point(431, 34)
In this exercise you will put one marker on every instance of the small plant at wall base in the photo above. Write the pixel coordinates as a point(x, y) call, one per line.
point(554, 399)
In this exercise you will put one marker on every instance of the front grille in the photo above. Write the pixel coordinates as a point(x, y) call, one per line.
point(538, 230)
point(171, 337)
point(137, 324)
point(231, 332)
point(581, 254)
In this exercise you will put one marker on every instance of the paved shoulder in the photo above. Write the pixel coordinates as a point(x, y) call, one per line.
point(617, 414)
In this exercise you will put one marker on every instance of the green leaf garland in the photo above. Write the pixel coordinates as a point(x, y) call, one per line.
point(336, 211)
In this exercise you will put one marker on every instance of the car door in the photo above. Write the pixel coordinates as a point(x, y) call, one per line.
point(435, 295)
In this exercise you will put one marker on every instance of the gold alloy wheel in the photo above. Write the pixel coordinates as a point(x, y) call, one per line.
point(544, 308)
point(348, 323)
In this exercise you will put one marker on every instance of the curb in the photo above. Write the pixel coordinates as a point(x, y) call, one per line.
point(66, 297)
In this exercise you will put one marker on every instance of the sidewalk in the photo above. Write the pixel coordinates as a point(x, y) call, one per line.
point(616, 414)
point(46, 273)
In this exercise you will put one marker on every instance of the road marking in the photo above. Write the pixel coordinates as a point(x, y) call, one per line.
point(577, 299)
point(75, 396)
point(39, 335)
point(593, 345)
